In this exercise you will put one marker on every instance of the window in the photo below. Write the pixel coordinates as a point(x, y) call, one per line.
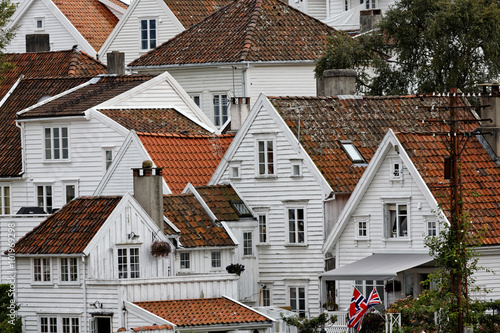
point(365, 287)
point(128, 263)
point(298, 300)
point(240, 207)
point(397, 220)
point(266, 157)
point(235, 171)
point(4, 199)
point(352, 152)
point(368, 2)
point(71, 325)
point(247, 243)
point(296, 168)
point(56, 324)
point(69, 269)
point(148, 34)
point(41, 270)
point(216, 259)
point(220, 109)
point(185, 260)
point(196, 98)
point(362, 229)
point(48, 324)
point(296, 226)
point(432, 229)
point(108, 158)
point(266, 296)
point(39, 23)
point(69, 192)
point(56, 143)
point(44, 197)
point(262, 228)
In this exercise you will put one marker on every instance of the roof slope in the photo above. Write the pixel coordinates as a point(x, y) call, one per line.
point(91, 18)
point(324, 121)
point(27, 93)
point(245, 30)
point(203, 311)
point(70, 229)
point(155, 120)
point(186, 159)
point(197, 229)
point(218, 198)
point(190, 12)
point(77, 102)
point(480, 179)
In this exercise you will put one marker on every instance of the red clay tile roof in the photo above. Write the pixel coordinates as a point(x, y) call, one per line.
point(91, 18)
point(27, 93)
point(364, 121)
point(245, 30)
point(197, 229)
point(155, 121)
point(69, 230)
point(119, 3)
point(218, 198)
point(186, 159)
point(203, 311)
point(480, 179)
point(150, 328)
point(77, 102)
point(190, 12)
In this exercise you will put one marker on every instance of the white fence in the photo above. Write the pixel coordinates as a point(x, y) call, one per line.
point(392, 321)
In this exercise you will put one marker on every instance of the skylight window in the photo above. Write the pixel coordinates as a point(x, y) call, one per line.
point(352, 152)
point(240, 208)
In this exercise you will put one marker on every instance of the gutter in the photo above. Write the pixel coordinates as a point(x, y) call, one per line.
point(217, 64)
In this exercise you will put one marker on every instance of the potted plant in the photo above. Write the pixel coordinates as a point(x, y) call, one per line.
point(160, 249)
point(235, 269)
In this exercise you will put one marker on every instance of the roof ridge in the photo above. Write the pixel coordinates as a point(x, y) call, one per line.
point(196, 136)
point(247, 43)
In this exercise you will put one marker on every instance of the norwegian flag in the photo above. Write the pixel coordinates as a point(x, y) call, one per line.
point(359, 306)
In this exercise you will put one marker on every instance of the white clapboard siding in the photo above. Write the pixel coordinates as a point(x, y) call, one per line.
point(201, 261)
point(282, 266)
point(128, 38)
point(488, 259)
point(60, 38)
point(317, 8)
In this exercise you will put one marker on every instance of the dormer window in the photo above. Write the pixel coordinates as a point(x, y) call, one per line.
point(352, 152)
point(240, 208)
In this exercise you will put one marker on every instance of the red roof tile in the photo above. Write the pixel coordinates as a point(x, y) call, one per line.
point(365, 121)
point(69, 230)
point(480, 179)
point(91, 18)
point(204, 311)
point(119, 3)
point(151, 328)
point(150, 120)
point(218, 198)
point(186, 159)
point(197, 229)
point(245, 30)
point(189, 12)
point(80, 100)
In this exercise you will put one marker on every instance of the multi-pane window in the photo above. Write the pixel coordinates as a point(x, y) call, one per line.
point(262, 228)
point(44, 197)
point(41, 270)
point(266, 157)
point(71, 325)
point(48, 324)
point(397, 216)
point(216, 259)
point(56, 324)
point(296, 225)
point(108, 158)
point(128, 263)
point(247, 243)
point(148, 34)
point(266, 297)
point(56, 143)
point(185, 260)
point(362, 229)
point(69, 269)
point(220, 109)
point(298, 300)
point(365, 287)
point(4, 200)
point(431, 228)
point(369, 3)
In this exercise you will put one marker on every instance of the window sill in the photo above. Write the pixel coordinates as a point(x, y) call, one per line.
point(57, 161)
point(296, 176)
point(398, 239)
point(296, 245)
point(68, 284)
point(249, 257)
point(363, 238)
point(263, 244)
point(42, 284)
point(266, 177)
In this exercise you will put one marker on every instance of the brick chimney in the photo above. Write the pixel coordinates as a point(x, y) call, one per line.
point(148, 190)
point(240, 108)
point(116, 63)
point(336, 82)
point(491, 100)
point(368, 19)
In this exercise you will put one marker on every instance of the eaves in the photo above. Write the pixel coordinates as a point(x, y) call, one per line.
point(238, 64)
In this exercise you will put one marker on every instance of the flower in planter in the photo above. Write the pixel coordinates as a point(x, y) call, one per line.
point(160, 249)
point(235, 269)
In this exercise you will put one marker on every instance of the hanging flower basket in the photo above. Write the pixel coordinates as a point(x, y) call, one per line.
point(160, 249)
point(235, 269)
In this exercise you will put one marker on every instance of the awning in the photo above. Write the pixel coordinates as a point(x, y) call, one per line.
point(378, 266)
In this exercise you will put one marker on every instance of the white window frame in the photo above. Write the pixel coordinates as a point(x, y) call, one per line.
point(216, 260)
point(185, 261)
point(359, 222)
point(366, 288)
point(235, 170)
point(195, 96)
point(372, 3)
point(57, 323)
point(221, 115)
point(106, 162)
point(262, 219)
point(39, 19)
point(132, 270)
point(352, 152)
point(431, 220)
point(396, 172)
point(267, 300)
point(296, 168)
point(248, 250)
point(67, 184)
point(263, 159)
point(44, 204)
point(69, 266)
point(49, 143)
point(388, 230)
point(302, 313)
point(148, 39)
point(296, 231)
point(5, 199)
point(45, 270)
point(93, 323)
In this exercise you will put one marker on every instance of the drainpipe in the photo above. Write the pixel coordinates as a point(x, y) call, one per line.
point(243, 80)
point(23, 144)
point(84, 295)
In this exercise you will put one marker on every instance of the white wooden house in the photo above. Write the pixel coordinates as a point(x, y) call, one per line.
point(149, 23)
point(54, 25)
point(246, 48)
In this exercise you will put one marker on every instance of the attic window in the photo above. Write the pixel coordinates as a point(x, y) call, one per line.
point(39, 23)
point(352, 152)
point(240, 208)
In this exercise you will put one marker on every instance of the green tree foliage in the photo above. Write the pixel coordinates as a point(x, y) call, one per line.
point(311, 325)
point(424, 46)
point(7, 9)
point(8, 323)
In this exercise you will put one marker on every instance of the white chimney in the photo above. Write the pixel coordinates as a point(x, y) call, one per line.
point(148, 191)
point(240, 108)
